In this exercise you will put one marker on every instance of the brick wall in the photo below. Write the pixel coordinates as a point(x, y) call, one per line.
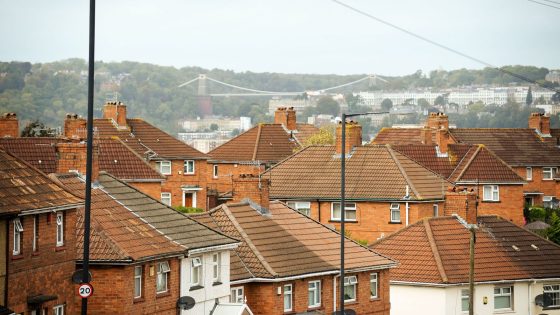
point(226, 173)
point(152, 189)
point(114, 290)
point(73, 156)
point(178, 178)
point(9, 125)
point(48, 270)
point(437, 121)
point(252, 187)
point(115, 111)
point(353, 137)
point(510, 206)
point(538, 184)
point(461, 201)
point(75, 127)
point(263, 298)
point(286, 117)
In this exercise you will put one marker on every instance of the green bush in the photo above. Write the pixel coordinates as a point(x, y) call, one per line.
point(537, 214)
point(188, 209)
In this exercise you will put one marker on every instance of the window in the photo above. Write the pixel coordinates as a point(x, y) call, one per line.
point(138, 281)
point(166, 198)
point(436, 210)
point(215, 171)
point(35, 232)
point(301, 206)
point(349, 214)
point(548, 173)
point(547, 201)
point(236, 295)
point(216, 268)
point(464, 300)
point(18, 231)
point(503, 298)
point(188, 167)
point(529, 173)
point(395, 212)
point(287, 297)
point(165, 167)
point(373, 285)
point(491, 193)
point(553, 291)
point(350, 288)
point(161, 278)
point(196, 271)
point(314, 293)
point(58, 310)
point(59, 228)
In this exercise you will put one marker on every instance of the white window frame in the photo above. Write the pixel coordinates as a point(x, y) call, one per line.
point(491, 193)
point(548, 170)
point(374, 283)
point(186, 165)
point(529, 173)
point(59, 229)
point(215, 171)
point(553, 290)
point(547, 201)
point(138, 282)
point(216, 267)
point(58, 309)
point(163, 271)
point(395, 209)
point(351, 282)
point(196, 271)
point(502, 294)
point(350, 207)
point(300, 206)
point(18, 231)
point(465, 295)
point(237, 295)
point(314, 291)
point(163, 166)
point(165, 196)
point(288, 296)
point(36, 220)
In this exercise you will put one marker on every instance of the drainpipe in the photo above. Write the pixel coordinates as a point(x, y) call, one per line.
point(406, 205)
point(406, 213)
point(318, 210)
point(334, 293)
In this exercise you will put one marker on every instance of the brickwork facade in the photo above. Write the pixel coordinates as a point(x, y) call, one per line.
point(9, 125)
point(537, 184)
point(252, 187)
point(152, 189)
point(73, 157)
point(48, 269)
point(75, 127)
point(286, 117)
point(186, 189)
point(268, 298)
point(114, 290)
point(353, 137)
point(226, 172)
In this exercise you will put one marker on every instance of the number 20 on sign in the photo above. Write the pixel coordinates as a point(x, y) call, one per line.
point(85, 290)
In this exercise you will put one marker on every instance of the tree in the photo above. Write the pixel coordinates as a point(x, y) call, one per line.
point(541, 100)
point(325, 136)
point(555, 99)
point(37, 129)
point(214, 127)
point(440, 100)
point(529, 99)
point(423, 103)
point(386, 105)
point(327, 105)
point(553, 232)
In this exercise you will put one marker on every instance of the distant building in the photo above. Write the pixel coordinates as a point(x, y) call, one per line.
point(298, 105)
point(224, 124)
point(553, 76)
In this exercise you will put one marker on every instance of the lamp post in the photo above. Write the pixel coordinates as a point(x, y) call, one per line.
point(343, 198)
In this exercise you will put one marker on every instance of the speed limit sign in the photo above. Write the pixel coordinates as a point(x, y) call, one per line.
point(85, 290)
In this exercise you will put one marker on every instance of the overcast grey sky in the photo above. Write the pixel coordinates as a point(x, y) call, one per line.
point(290, 36)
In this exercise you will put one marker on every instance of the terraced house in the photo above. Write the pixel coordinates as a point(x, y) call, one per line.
point(288, 263)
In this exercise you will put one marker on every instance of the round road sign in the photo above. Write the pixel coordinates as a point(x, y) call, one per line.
point(85, 290)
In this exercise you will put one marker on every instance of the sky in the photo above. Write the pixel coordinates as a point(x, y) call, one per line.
point(287, 36)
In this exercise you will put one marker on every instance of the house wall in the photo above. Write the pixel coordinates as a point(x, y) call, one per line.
point(206, 295)
point(48, 270)
point(152, 189)
point(510, 206)
point(114, 290)
point(3, 260)
point(177, 178)
point(263, 298)
point(228, 171)
point(406, 300)
point(537, 184)
point(373, 219)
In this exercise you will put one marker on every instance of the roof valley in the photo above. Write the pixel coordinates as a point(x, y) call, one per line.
point(469, 162)
point(403, 172)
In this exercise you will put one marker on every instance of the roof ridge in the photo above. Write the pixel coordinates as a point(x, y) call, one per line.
point(248, 241)
point(469, 162)
point(461, 161)
point(257, 140)
point(435, 251)
point(403, 172)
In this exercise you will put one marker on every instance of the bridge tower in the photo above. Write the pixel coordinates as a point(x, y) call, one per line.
point(204, 100)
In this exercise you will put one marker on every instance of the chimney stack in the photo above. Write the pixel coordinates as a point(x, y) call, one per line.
point(72, 156)
point(75, 127)
point(9, 125)
point(115, 111)
point(461, 201)
point(426, 135)
point(540, 122)
point(442, 140)
point(286, 117)
point(437, 121)
point(353, 137)
point(252, 187)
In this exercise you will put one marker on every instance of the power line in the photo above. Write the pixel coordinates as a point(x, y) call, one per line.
point(441, 45)
point(552, 1)
point(548, 5)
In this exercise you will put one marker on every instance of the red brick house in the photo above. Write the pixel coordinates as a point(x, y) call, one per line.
point(385, 190)
point(255, 150)
point(288, 263)
point(530, 152)
point(37, 219)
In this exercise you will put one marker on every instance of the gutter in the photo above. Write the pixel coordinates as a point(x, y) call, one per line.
point(201, 250)
point(133, 180)
point(53, 209)
point(444, 285)
point(337, 199)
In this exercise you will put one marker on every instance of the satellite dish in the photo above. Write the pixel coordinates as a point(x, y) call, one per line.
point(543, 300)
point(185, 303)
point(346, 312)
